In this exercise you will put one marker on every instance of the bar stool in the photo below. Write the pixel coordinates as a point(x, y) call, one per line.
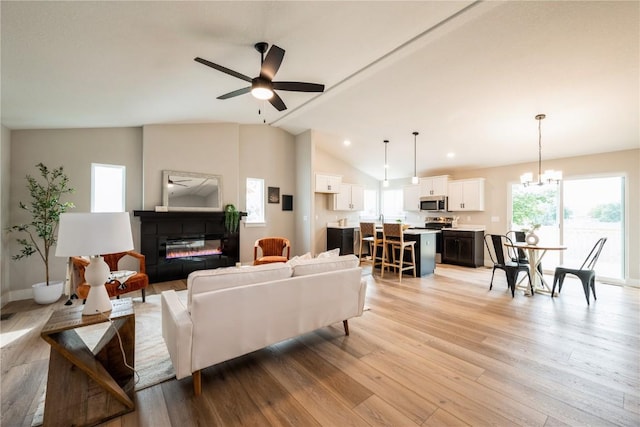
point(393, 240)
point(369, 237)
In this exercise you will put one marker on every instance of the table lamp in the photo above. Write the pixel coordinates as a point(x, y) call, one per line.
point(94, 234)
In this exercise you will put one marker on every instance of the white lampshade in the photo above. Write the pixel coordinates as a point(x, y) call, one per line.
point(94, 234)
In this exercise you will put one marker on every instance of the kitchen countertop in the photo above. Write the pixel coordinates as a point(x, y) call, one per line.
point(342, 227)
point(467, 227)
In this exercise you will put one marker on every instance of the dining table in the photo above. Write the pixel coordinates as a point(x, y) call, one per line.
point(535, 253)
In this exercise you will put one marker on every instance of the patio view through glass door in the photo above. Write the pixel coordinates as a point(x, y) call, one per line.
point(591, 208)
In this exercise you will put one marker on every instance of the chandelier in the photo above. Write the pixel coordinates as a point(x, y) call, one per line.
point(549, 176)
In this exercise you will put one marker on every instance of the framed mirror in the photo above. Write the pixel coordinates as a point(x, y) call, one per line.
point(190, 191)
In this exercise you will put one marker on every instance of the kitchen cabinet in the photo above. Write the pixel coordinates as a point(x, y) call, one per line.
point(434, 186)
point(327, 183)
point(350, 198)
point(411, 198)
point(463, 248)
point(342, 238)
point(466, 195)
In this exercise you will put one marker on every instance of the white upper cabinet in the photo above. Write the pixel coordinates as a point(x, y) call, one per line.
point(434, 186)
point(328, 183)
point(411, 198)
point(466, 195)
point(350, 198)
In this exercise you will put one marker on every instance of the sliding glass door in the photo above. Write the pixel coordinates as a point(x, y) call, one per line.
point(591, 208)
point(594, 208)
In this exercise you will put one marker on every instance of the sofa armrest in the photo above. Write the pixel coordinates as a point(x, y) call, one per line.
point(177, 331)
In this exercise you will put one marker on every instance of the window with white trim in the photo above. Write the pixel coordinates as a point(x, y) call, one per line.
point(255, 201)
point(107, 188)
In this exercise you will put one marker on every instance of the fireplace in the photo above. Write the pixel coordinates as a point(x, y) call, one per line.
point(177, 243)
point(191, 247)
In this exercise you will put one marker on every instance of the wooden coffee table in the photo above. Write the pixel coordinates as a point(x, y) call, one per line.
point(86, 387)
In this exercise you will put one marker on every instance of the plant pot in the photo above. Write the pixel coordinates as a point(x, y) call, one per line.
point(43, 294)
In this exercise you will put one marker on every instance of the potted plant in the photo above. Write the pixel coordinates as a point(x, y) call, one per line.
point(231, 218)
point(45, 209)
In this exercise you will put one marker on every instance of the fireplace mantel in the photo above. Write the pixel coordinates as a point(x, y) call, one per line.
point(157, 228)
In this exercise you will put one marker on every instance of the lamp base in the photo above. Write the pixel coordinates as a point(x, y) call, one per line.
point(96, 274)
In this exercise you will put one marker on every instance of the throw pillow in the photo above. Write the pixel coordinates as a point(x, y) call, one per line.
point(329, 254)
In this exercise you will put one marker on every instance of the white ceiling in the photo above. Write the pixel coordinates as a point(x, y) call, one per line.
point(470, 77)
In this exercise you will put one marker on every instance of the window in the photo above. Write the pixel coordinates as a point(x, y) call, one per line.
point(591, 207)
point(107, 188)
point(392, 205)
point(370, 205)
point(255, 201)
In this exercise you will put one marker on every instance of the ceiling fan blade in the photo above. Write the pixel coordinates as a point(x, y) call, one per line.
point(223, 69)
point(235, 93)
point(272, 62)
point(299, 86)
point(277, 102)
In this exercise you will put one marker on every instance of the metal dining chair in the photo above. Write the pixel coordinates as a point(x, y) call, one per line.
point(585, 273)
point(503, 257)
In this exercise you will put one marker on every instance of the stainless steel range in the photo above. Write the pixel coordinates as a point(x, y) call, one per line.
point(438, 223)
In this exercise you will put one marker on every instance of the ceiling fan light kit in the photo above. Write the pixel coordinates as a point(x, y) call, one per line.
point(549, 176)
point(263, 87)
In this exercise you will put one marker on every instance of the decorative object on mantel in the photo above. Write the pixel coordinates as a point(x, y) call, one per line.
point(45, 209)
point(385, 183)
point(231, 218)
point(93, 234)
point(549, 176)
point(414, 178)
point(531, 237)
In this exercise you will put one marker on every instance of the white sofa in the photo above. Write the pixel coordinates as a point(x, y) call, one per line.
point(234, 311)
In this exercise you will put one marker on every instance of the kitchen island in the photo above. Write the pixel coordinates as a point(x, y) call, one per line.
point(425, 248)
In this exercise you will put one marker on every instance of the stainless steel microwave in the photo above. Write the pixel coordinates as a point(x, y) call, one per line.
point(433, 203)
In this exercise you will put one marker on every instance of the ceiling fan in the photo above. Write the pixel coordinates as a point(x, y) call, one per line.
point(262, 87)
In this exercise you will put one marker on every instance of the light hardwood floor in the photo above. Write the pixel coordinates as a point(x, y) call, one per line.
point(441, 350)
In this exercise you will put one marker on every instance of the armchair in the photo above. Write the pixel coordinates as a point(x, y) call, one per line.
point(273, 250)
point(138, 281)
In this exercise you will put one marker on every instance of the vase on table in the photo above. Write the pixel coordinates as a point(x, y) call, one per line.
point(532, 238)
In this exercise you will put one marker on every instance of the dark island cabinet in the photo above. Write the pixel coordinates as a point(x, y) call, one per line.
point(463, 248)
point(341, 238)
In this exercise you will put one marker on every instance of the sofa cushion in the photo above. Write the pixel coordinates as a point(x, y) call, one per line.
point(321, 265)
point(228, 277)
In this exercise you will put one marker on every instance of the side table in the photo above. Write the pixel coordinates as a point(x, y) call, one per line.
point(86, 387)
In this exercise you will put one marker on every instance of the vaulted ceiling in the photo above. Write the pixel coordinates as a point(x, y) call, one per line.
point(469, 76)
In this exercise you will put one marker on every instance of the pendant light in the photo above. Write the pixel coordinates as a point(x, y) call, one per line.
point(385, 183)
point(414, 179)
point(549, 176)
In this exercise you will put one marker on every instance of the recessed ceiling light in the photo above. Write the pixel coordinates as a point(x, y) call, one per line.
point(451, 155)
point(347, 143)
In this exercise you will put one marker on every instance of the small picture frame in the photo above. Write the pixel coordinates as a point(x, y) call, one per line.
point(287, 202)
point(273, 195)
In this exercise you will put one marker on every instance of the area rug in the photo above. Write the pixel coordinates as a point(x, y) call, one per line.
point(152, 362)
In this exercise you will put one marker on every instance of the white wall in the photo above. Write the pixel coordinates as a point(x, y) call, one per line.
point(203, 148)
point(268, 153)
point(323, 213)
point(75, 150)
point(5, 176)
